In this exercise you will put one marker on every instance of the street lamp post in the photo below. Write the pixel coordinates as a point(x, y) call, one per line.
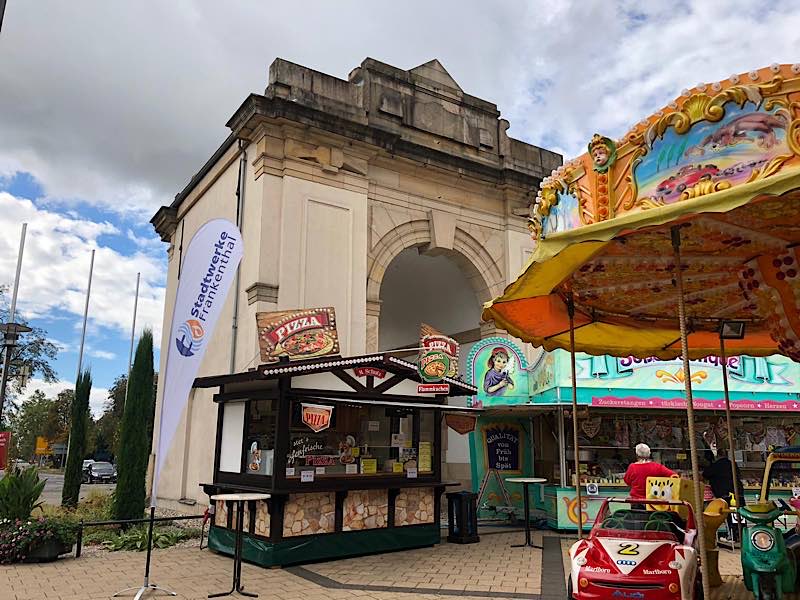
point(11, 330)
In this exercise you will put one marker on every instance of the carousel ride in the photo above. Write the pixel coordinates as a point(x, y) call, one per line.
point(680, 239)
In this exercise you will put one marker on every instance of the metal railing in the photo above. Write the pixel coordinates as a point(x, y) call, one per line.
point(84, 524)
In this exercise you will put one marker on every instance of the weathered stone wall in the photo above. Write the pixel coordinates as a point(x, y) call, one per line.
point(306, 514)
point(367, 509)
point(414, 507)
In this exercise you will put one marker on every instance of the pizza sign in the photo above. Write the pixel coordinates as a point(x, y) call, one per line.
point(317, 417)
point(297, 334)
point(438, 357)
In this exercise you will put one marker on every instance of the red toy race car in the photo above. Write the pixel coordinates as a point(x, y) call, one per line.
point(686, 177)
point(637, 554)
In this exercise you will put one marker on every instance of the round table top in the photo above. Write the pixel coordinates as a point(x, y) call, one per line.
point(526, 480)
point(241, 497)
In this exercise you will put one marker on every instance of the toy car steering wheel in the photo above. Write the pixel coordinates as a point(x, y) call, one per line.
point(657, 525)
point(613, 523)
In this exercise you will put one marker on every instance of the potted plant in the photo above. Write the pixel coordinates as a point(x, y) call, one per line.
point(23, 538)
point(35, 540)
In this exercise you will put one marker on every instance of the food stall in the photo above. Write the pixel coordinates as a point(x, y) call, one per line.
point(622, 402)
point(349, 449)
point(625, 401)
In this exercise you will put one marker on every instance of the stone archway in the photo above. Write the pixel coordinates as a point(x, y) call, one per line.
point(479, 267)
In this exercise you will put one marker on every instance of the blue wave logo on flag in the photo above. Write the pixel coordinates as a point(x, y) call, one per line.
point(190, 337)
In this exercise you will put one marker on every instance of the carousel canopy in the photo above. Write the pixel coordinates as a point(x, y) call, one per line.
point(720, 166)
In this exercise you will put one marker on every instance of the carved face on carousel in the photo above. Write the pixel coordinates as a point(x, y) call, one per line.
point(603, 152)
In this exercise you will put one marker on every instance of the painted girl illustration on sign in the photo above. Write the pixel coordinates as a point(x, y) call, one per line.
point(497, 379)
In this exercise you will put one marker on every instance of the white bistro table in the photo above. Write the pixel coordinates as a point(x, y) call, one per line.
point(526, 482)
point(240, 499)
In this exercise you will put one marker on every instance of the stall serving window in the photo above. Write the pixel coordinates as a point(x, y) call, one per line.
point(259, 444)
point(246, 433)
point(607, 441)
point(362, 441)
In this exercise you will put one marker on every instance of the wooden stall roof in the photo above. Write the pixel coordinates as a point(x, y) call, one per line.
point(402, 369)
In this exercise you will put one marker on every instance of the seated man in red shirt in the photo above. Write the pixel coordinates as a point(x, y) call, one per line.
point(638, 472)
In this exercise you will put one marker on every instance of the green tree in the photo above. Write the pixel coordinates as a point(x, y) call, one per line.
point(136, 434)
point(33, 355)
point(28, 422)
point(79, 421)
point(104, 432)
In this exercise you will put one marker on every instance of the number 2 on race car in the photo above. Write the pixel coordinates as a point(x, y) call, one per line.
point(629, 549)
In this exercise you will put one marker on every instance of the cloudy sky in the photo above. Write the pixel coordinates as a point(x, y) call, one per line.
point(108, 108)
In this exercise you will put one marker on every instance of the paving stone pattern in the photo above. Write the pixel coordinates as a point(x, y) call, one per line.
point(489, 569)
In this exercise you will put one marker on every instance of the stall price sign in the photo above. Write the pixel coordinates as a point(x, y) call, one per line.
point(317, 417)
point(297, 334)
point(503, 449)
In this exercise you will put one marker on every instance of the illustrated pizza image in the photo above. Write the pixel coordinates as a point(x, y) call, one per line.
point(435, 369)
point(308, 343)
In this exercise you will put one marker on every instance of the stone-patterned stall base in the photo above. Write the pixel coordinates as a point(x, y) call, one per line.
point(413, 507)
point(221, 514)
point(366, 509)
point(262, 516)
point(306, 514)
point(262, 519)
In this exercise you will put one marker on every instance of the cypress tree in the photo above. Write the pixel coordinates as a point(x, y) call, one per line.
point(135, 434)
point(79, 420)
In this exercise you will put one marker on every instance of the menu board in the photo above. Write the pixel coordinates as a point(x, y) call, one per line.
point(503, 450)
point(425, 452)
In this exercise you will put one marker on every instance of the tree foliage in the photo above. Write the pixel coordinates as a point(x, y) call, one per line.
point(136, 434)
point(34, 353)
point(40, 416)
point(79, 417)
point(104, 442)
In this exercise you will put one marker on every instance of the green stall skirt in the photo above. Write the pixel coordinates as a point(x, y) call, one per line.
point(324, 546)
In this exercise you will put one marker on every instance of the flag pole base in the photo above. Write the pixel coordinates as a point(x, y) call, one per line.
point(146, 587)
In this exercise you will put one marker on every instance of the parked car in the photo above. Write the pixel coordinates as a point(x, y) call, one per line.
point(637, 554)
point(85, 470)
point(20, 464)
point(101, 472)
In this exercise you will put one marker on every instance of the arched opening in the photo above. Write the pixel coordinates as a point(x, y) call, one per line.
point(431, 289)
point(419, 288)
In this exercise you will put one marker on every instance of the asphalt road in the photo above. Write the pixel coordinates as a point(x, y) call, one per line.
point(55, 485)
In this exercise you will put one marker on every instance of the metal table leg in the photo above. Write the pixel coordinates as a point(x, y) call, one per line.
point(527, 506)
point(237, 557)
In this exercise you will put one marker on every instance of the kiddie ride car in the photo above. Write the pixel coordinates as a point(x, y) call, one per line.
point(770, 556)
point(633, 553)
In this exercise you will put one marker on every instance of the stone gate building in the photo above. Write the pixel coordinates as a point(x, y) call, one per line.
point(393, 196)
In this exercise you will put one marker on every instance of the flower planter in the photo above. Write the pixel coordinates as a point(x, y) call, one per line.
point(47, 551)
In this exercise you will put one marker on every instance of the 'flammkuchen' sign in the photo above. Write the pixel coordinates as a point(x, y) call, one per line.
point(297, 334)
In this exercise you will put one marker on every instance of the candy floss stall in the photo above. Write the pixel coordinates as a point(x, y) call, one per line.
point(347, 448)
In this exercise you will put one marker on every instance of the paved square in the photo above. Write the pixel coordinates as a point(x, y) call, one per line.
point(490, 569)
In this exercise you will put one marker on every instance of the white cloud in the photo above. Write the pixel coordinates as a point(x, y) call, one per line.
point(107, 103)
point(602, 68)
point(97, 398)
point(102, 354)
point(55, 269)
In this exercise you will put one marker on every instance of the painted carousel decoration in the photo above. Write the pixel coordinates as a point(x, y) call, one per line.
point(724, 160)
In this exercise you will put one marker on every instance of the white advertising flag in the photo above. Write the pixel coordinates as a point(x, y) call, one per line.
point(209, 269)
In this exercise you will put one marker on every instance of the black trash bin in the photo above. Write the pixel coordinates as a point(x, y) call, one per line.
point(462, 517)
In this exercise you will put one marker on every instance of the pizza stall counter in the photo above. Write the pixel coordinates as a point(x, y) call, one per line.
point(348, 449)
